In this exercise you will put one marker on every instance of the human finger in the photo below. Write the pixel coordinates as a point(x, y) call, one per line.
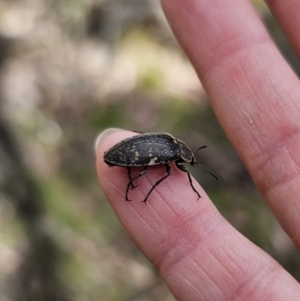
point(287, 13)
point(197, 252)
point(253, 92)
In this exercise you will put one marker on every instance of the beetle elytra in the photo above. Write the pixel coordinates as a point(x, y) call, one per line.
point(151, 149)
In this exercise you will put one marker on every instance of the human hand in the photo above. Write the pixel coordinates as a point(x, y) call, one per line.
point(255, 96)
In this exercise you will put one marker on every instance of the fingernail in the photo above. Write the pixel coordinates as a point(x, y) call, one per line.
point(103, 135)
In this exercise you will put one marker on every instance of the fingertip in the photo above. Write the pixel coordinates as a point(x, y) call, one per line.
point(102, 136)
point(104, 142)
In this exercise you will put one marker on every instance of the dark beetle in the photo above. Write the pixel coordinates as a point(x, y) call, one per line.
point(152, 149)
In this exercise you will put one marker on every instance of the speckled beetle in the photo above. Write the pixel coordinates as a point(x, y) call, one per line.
point(152, 149)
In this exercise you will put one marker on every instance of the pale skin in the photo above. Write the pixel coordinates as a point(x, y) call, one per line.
point(256, 98)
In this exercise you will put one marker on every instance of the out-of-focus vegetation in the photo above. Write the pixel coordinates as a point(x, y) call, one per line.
point(68, 70)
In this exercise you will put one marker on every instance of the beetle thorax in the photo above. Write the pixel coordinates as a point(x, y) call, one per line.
point(186, 153)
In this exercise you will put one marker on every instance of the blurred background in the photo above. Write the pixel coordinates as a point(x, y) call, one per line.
point(68, 70)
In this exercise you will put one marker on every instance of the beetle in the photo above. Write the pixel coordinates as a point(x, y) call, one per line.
point(149, 149)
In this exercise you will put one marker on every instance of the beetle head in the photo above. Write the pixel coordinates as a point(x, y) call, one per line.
point(186, 153)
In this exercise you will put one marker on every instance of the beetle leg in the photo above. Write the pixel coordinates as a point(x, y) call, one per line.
point(183, 168)
point(142, 172)
point(169, 171)
point(129, 176)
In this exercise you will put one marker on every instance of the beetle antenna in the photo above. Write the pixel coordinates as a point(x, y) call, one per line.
point(200, 147)
point(207, 170)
